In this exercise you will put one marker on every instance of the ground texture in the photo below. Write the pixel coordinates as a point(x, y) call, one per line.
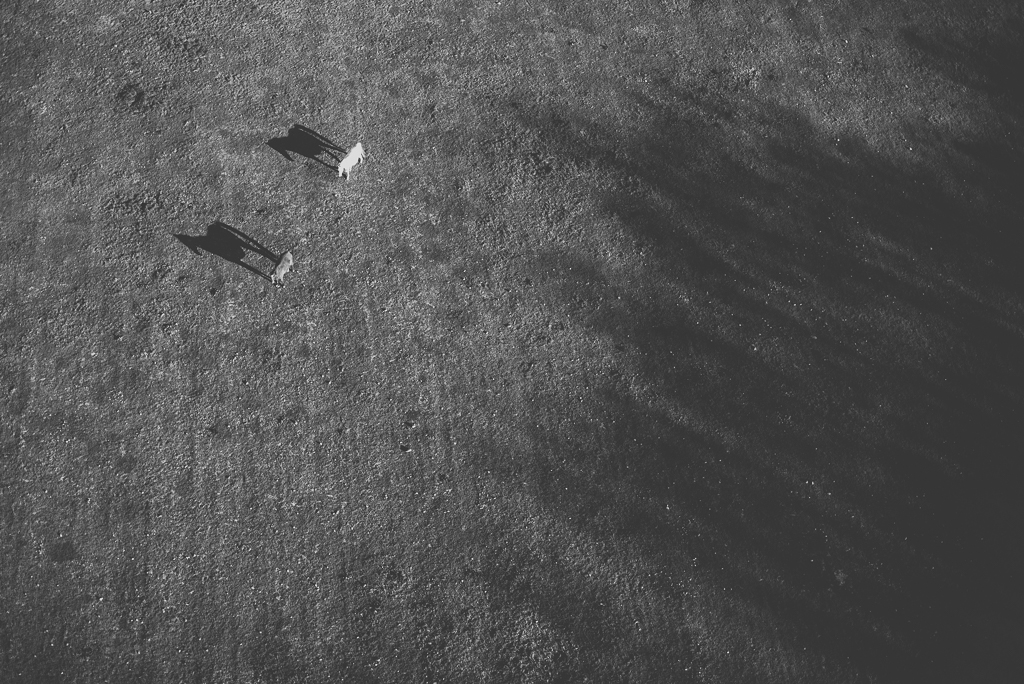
point(674, 341)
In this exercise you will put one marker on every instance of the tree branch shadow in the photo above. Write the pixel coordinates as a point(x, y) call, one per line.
point(844, 335)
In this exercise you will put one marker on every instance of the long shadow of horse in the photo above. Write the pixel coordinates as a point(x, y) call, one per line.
point(229, 244)
point(307, 143)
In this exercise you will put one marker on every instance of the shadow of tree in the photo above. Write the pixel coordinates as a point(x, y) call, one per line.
point(981, 64)
point(833, 340)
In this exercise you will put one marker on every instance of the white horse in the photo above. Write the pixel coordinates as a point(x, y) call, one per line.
point(283, 267)
point(354, 156)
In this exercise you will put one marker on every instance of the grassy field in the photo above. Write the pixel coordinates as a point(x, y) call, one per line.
point(655, 341)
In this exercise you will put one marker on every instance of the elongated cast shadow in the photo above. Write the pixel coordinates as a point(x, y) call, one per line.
point(307, 143)
point(229, 244)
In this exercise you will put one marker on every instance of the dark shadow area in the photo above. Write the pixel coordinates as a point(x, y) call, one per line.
point(988, 67)
point(842, 336)
point(230, 244)
point(308, 143)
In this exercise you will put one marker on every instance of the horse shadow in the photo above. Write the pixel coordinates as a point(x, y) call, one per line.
point(229, 244)
point(307, 143)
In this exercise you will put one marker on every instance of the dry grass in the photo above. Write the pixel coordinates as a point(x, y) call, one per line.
point(659, 341)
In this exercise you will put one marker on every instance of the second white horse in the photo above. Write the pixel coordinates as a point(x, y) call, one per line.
point(354, 156)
